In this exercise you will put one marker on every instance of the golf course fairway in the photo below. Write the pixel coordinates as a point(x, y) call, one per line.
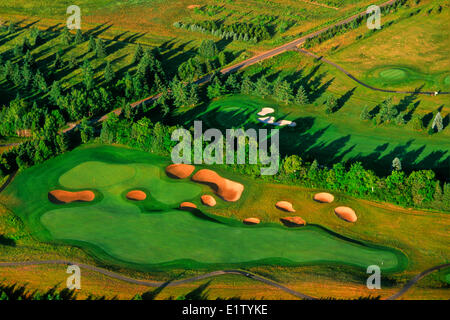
point(153, 233)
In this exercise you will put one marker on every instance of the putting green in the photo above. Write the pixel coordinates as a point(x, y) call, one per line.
point(393, 74)
point(152, 233)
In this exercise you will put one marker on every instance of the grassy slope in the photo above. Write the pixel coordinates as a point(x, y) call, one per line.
point(383, 223)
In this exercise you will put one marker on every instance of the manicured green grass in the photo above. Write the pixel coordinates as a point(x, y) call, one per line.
point(153, 233)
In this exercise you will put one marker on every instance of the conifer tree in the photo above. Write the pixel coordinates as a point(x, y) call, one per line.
point(11, 28)
point(57, 63)
point(55, 92)
point(27, 75)
point(86, 131)
point(301, 98)
point(247, 86)
point(330, 104)
point(88, 75)
point(39, 82)
point(66, 37)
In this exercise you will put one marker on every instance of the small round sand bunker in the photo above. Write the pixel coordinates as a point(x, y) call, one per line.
point(208, 200)
point(285, 206)
point(251, 221)
point(179, 170)
point(346, 213)
point(324, 197)
point(224, 188)
point(136, 195)
point(61, 196)
point(187, 206)
point(293, 221)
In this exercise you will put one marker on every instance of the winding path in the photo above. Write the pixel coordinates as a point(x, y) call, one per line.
point(348, 74)
point(247, 274)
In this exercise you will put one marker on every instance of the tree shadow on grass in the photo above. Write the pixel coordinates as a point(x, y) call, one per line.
point(7, 241)
point(343, 99)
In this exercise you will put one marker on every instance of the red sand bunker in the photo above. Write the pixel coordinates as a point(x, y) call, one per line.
point(136, 195)
point(208, 200)
point(285, 206)
point(324, 197)
point(346, 213)
point(61, 196)
point(179, 171)
point(293, 221)
point(251, 221)
point(187, 205)
point(224, 188)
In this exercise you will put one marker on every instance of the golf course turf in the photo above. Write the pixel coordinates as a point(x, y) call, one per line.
point(153, 233)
